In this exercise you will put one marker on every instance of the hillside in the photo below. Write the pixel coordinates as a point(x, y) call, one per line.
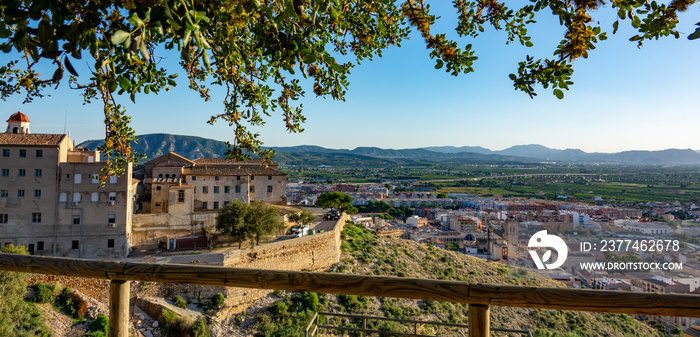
point(366, 253)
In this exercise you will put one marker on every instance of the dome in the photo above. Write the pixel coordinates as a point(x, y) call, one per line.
point(470, 237)
point(18, 117)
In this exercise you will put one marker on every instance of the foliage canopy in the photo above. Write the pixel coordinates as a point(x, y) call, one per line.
point(336, 201)
point(261, 51)
point(255, 221)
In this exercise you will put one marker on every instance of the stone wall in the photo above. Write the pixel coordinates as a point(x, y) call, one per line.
point(148, 229)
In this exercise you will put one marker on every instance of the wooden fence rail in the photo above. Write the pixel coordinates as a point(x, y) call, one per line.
point(479, 296)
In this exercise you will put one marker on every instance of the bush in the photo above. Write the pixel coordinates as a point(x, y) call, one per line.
point(171, 324)
point(71, 304)
point(200, 328)
point(43, 293)
point(217, 301)
point(99, 327)
point(180, 302)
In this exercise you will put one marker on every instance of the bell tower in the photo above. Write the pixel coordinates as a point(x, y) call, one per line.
point(18, 123)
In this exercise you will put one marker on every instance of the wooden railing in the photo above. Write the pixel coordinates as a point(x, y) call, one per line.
point(364, 331)
point(480, 297)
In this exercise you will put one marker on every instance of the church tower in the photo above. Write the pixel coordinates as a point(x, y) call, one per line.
point(18, 123)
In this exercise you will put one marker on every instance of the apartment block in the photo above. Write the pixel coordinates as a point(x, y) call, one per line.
point(50, 199)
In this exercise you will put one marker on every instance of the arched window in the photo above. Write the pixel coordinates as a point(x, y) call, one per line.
point(160, 176)
point(15, 130)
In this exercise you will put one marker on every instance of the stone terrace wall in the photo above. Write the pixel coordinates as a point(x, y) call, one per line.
point(309, 253)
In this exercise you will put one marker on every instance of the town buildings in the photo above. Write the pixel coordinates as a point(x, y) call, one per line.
point(51, 200)
point(55, 201)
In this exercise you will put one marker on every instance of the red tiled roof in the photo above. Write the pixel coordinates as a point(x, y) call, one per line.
point(226, 161)
point(232, 171)
point(30, 139)
point(18, 117)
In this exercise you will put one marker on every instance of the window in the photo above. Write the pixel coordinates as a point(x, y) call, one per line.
point(252, 177)
point(225, 203)
point(36, 217)
point(227, 189)
point(3, 218)
point(5, 152)
point(157, 188)
point(112, 196)
point(204, 205)
point(269, 189)
point(76, 219)
point(40, 245)
point(77, 197)
point(37, 173)
point(20, 193)
point(75, 244)
point(113, 179)
point(269, 177)
point(78, 178)
point(37, 193)
point(3, 193)
point(205, 189)
point(216, 178)
point(194, 178)
point(95, 178)
point(181, 196)
point(238, 177)
point(63, 197)
point(252, 189)
point(22, 172)
point(216, 205)
point(110, 243)
point(22, 153)
point(238, 189)
point(5, 172)
point(94, 197)
point(216, 189)
point(111, 219)
point(39, 153)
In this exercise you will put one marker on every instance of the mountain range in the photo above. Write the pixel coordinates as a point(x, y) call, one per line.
point(155, 145)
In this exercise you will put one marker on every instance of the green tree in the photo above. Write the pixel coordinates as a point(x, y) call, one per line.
point(231, 220)
point(256, 221)
point(260, 51)
point(303, 218)
point(265, 221)
point(342, 202)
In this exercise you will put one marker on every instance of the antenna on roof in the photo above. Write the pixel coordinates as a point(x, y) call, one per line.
point(65, 121)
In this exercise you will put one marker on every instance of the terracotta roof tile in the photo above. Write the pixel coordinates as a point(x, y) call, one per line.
point(30, 139)
point(226, 161)
point(18, 117)
point(232, 171)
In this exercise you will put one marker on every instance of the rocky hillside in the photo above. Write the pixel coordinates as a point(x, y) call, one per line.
point(366, 253)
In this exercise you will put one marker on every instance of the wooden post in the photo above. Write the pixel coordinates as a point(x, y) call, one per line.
point(119, 308)
point(479, 320)
point(364, 327)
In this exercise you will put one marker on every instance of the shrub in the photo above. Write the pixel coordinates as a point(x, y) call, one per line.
point(217, 300)
point(171, 324)
point(99, 327)
point(71, 304)
point(43, 293)
point(200, 328)
point(180, 302)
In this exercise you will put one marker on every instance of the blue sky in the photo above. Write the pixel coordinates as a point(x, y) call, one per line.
point(624, 98)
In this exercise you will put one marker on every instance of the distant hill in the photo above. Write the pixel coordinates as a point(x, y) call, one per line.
point(155, 145)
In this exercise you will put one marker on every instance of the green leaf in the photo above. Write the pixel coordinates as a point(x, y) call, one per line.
point(69, 66)
point(558, 93)
point(119, 37)
point(135, 21)
point(528, 44)
point(513, 77)
point(124, 83)
point(45, 34)
point(57, 75)
point(615, 25)
point(695, 35)
point(438, 64)
point(636, 22)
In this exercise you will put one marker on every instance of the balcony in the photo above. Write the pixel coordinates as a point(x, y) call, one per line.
point(480, 297)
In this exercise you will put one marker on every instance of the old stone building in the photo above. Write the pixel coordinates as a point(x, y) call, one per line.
point(50, 199)
point(174, 184)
